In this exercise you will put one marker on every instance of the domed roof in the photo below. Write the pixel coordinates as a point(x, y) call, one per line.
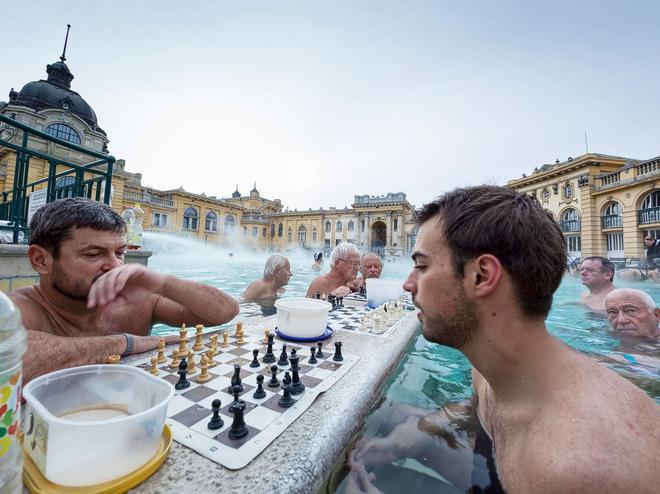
point(55, 92)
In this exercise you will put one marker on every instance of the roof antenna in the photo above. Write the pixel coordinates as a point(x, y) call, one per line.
point(586, 143)
point(63, 57)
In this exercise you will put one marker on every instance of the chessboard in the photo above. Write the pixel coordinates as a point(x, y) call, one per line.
point(357, 318)
point(264, 419)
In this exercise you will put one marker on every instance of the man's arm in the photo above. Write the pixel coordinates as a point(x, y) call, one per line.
point(180, 301)
point(46, 352)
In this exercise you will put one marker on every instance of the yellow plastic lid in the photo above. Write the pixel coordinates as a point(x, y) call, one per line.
point(36, 483)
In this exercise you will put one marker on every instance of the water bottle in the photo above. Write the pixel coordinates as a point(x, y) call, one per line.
point(12, 347)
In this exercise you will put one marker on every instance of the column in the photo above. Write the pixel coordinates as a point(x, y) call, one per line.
point(367, 228)
point(388, 238)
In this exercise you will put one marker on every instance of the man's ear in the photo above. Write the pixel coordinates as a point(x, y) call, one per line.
point(483, 274)
point(40, 259)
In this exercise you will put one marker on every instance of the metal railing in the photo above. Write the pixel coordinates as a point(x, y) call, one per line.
point(148, 199)
point(92, 179)
point(569, 226)
point(647, 216)
point(611, 221)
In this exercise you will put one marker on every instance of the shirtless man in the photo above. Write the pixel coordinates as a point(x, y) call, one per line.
point(344, 266)
point(596, 273)
point(88, 304)
point(318, 261)
point(487, 262)
point(370, 266)
point(277, 273)
point(633, 312)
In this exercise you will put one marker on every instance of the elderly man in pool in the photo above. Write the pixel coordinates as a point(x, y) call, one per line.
point(596, 273)
point(487, 263)
point(371, 267)
point(633, 312)
point(344, 266)
point(277, 273)
point(88, 304)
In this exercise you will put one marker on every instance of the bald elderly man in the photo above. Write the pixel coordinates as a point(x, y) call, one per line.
point(344, 266)
point(632, 312)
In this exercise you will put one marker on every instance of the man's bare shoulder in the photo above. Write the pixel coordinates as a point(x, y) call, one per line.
point(34, 314)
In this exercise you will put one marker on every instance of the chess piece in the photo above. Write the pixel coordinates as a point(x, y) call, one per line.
point(255, 360)
point(199, 344)
point(284, 359)
point(183, 349)
point(286, 400)
point(114, 359)
point(269, 357)
point(213, 342)
point(297, 387)
point(239, 339)
point(320, 353)
point(340, 302)
point(236, 379)
point(238, 428)
point(236, 391)
point(259, 393)
point(318, 295)
point(216, 421)
point(183, 382)
point(161, 351)
point(312, 359)
point(274, 382)
point(210, 354)
point(192, 368)
point(225, 339)
point(239, 329)
point(204, 375)
point(175, 360)
point(266, 334)
point(154, 369)
point(337, 357)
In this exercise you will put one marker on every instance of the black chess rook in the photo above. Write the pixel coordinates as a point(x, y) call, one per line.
point(238, 428)
point(337, 357)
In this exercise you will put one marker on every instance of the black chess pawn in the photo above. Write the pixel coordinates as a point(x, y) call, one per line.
point(255, 360)
point(312, 359)
point(274, 382)
point(363, 291)
point(340, 302)
point(259, 393)
point(320, 353)
point(236, 379)
point(333, 300)
point(297, 387)
point(238, 428)
point(284, 358)
point(183, 382)
point(337, 357)
point(269, 357)
point(216, 421)
point(286, 400)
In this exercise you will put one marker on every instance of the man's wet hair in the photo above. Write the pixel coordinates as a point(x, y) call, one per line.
point(607, 266)
point(53, 223)
point(513, 227)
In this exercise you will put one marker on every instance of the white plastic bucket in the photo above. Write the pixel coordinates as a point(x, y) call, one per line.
point(93, 424)
point(302, 317)
point(380, 291)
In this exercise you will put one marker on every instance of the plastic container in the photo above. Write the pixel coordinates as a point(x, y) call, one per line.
point(380, 291)
point(92, 424)
point(12, 347)
point(302, 317)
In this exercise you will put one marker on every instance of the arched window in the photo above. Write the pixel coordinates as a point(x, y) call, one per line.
point(64, 132)
point(280, 229)
point(650, 209)
point(211, 222)
point(255, 230)
point(314, 234)
point(190, 219)
point(65, 187)
point(272, 229)
point(569, 221)
point(327, 226)
point(652, 200)
point(338, 228)
point(350, 225)
point(230, 224)
point(288, 235)
point(302, 235)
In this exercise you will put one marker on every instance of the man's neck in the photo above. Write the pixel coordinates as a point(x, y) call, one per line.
point(68, 308)
point(601, 288)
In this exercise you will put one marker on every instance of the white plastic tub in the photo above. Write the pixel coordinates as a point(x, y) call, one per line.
point(380, 291)
point(92, 424)
point(302, 317)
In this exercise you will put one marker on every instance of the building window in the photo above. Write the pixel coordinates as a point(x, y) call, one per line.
point(568, 191)
point(615, 244)
point(302, 235)
point(574, 245)
point(338, 228)
point(327, 227)
point(337, 241)
point(160, 219)
point(272, 229)
point(64, 132)
point(279, 230)
point(314, 235)
point(395, 227)
point(326, 243)
point(244, 230)
point(350, 226)
point(569, 221)
point(255, 230)
point(211, 222)
point(65, 187)
point(288, 235)
point(190, 219)
point(264, 232)
point(230, 223)
point(612, 217)
point(362, 225)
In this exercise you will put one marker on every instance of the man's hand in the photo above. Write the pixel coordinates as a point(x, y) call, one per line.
point(129, 283)
point(359, 480)
point(356, 284)
point(400, 443)
point(341, 291)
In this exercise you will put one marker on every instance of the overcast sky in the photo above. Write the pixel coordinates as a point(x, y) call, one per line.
point(319, 101)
